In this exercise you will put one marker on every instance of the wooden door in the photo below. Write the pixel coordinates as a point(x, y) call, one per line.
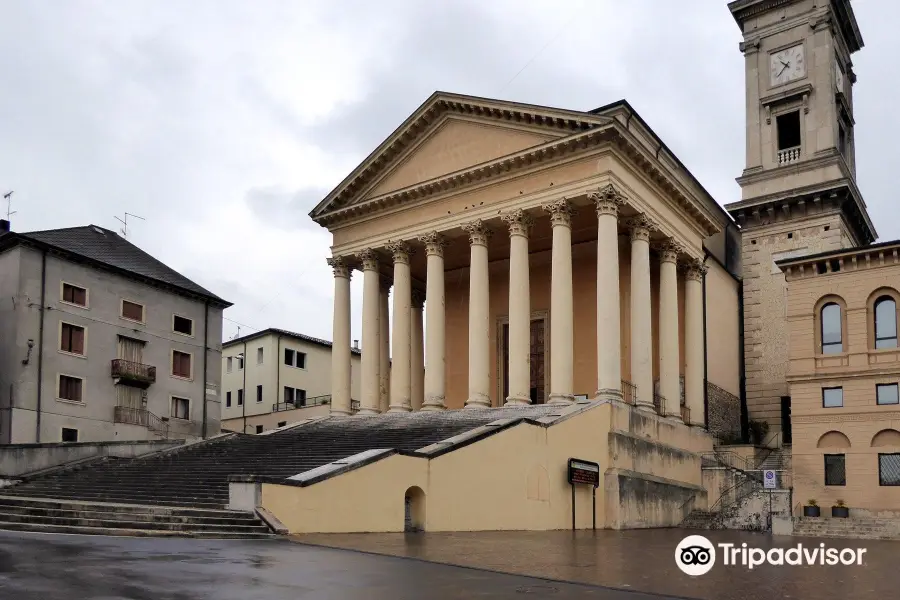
point(131, 350)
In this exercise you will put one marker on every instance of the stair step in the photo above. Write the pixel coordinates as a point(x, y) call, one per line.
point(105, 523)
point(43, 528)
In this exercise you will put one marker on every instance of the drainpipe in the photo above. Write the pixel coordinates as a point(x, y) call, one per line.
point(705, 354)
point(244, 392)
point(277, 368)
point(203, 430)
point(40, 379)
point(745, 417)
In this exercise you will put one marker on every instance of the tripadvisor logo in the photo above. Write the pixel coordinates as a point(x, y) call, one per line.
point(695, 555)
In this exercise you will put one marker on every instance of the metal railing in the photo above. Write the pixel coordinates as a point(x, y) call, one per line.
point(132, 371)
point(629, 392)
point(686, 415)
point(142, 417)
point(659, 403)
point(354, 405)
point(306, 402)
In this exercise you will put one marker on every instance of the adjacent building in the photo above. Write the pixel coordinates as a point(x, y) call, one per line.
point(274, 378)
point(101, 341)
point(844, 374)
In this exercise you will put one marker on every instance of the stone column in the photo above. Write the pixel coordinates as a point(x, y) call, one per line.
point(641, 311)
point(417, 353)
point(435, 343)
point(562, 344)
point(400, 338)
point(340, 347)
point(519, 367)
point(607, 201)
point(669, 352)
point(693, 340)
point(479, 317)
point(368, 401)
point(384, 344)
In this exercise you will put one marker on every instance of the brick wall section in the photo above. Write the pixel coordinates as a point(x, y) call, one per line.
point(724, 413)
point(765, 327)
point(857, 370)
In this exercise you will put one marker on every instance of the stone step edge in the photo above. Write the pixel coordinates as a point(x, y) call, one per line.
point(103, 523)
point(27, 511)
point(161, 508)
point(124, 532)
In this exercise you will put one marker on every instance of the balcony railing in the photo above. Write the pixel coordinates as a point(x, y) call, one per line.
point(686, 415)
point(142, 417)
point(629, 392)
point(788, 155)
point(132, 373)
point(659, 403)
point(314, 401)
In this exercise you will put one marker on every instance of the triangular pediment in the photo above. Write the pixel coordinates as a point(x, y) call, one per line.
point(451, 133)
point(452, 145)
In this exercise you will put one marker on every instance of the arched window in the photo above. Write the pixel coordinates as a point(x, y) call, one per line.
point(831, 329)
point(885, 322)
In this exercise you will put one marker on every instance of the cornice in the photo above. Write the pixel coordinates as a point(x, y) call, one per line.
point(849, 261)
point(434, 109)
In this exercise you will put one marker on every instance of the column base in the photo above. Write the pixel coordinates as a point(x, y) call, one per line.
point(367, 411)
point(517, 401)
point(561, 399)
point(339, 413)
point(646, 407)
point(477, 400)
point(675, 418)
point(609, 394)
point(395, 408)
point(433, 407)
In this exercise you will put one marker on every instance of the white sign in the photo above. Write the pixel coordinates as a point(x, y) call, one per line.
point(770, 480)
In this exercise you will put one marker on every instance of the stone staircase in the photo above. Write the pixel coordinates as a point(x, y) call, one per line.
point(867, 528)
point(96, 518)
point(196, 476)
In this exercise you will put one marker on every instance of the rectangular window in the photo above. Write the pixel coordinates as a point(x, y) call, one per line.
point(181, 409)
point(70, 388)
point(835, 470)
point(889, 469)
point(132, 311)
point(832, 397)
point(181, 364)
point(182, 325)
point(240, 362)
point(228, 365)
point(240, 397)
point(259, 393)
point(71, 339)
point(788, 130)
point(887, 393)
point(72, 294)
point(282, 423)
point(288, 395)
point(289, 357)
point(259, 356)
point(69, 434)
point(259, 429)
point(293, 358)
point(300, 397)
point(842, 139)
point(301, 361)
point(227, 399)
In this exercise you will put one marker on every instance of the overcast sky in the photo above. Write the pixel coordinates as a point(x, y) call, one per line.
point(224, 122)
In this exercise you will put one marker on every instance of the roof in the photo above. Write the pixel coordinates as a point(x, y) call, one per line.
point(107, 250)
point(285, 333)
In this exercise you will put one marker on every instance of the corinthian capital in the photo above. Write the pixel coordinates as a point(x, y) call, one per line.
point(339, 265)
point(607, 200)
point(641, 226)
point(669, 251)
point(561, 212)
point(519, 222)
point(434, 243)
point(369, 259)
point(694, 269)
point(479, 232)
point(400, 250)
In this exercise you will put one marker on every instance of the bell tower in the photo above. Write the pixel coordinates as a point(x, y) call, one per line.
point(798, 188)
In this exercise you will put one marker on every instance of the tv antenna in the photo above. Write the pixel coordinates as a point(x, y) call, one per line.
point(8, 197)
point(124, 223)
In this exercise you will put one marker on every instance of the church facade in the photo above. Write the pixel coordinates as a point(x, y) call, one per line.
point(526, 255)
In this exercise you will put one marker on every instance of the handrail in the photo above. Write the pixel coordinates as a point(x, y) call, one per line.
point(629, 392)
point(659, 403)
point(121, 368)
point(142, 417)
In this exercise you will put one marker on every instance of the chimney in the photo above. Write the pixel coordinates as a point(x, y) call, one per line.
point(356, 344)
point(4, 225)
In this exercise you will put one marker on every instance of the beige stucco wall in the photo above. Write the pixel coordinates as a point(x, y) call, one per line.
point(723, 329)
point(512, 480)
point(271, 420)
point(857, 370)
point(274, 375)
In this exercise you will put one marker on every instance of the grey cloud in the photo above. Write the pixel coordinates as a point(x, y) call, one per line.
point(286, 210)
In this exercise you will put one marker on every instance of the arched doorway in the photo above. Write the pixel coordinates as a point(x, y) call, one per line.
point(414, 510)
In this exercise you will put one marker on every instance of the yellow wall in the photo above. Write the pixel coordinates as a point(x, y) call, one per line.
point(723, 329)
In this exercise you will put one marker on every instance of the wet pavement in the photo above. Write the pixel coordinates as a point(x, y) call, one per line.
point(62, 567)
point(645, 560)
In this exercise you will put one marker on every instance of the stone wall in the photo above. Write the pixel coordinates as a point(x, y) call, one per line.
point(724, 414)
point(20, 459)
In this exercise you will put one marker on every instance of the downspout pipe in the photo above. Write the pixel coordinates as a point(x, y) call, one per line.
point(745, 416)
point(705, 355)
point(204, 428)
point(244, 390)
point(40, 365)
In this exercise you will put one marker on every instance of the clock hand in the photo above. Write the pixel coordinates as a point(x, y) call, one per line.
point(782, 70)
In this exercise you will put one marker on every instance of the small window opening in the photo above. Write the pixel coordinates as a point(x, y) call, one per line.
point(788, 130)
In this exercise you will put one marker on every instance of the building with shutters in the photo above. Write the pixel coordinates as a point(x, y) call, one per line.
point(99, 341)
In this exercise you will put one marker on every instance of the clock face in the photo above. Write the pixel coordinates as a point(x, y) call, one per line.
point(787, 65)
